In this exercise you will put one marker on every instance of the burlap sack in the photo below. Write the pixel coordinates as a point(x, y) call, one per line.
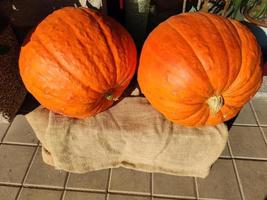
point(131, 134)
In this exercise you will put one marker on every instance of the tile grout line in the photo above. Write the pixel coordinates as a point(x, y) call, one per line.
point(36, 186)
point(236, 172)
point(148, 195)
point(65, 186)
point(196, 188)
point(249, 158)
point(20, 144)
point(245, 125)
point(28, 185)
point(258, 122)
point(109, 183)
point(210, 199)
point(173, 196)
point(10, 184)
point(27, 172)
point(239, 180)
point(152, 185)
point(243, 158)
point(3, 137)
point(143, 194)
point(100, 191)
point(263, 135)
point(250, 125)
point(129, 193)
point(225, 157)
point(85, 190)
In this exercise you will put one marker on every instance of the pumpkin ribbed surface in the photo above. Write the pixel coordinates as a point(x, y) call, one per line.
point(77, 62)
point(199, 68)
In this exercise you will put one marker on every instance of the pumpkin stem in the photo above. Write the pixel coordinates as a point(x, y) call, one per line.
point(215, 103)
point(109, 96)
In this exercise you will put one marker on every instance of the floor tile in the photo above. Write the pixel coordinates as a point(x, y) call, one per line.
point(260, 106)
point(136, 181)
point(8, 193)
point(91, 180)
point(253, 175)
point(14, 161)
point(265, 131)
point(70, 195)
point(43, 174)
point(20, 131)
point(221, 182)
point(127, 197)
point(158, 198)
point(3, 128)
point(246, 116)
point(40, 194)
point(263, 87)
point(247, 141)
point(225, 151)
point(173, 185)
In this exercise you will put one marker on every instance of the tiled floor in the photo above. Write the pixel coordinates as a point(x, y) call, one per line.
point(240, 173)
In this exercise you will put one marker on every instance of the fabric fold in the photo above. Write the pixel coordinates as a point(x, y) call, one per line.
point(131, 134)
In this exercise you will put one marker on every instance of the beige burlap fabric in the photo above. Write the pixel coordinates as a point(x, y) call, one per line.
point(131, 134)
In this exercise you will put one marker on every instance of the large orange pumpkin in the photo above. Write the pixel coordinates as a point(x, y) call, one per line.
point(77, 62)
point(199, 68)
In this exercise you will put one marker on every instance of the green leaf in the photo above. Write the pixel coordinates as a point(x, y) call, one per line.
point(258, 9)
point(236, 5)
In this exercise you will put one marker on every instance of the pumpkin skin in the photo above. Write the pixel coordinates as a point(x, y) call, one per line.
point(77, 62)
point(200, 69)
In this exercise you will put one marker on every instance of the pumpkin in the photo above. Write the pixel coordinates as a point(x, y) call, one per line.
point(77, 62)
point(200, 69)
